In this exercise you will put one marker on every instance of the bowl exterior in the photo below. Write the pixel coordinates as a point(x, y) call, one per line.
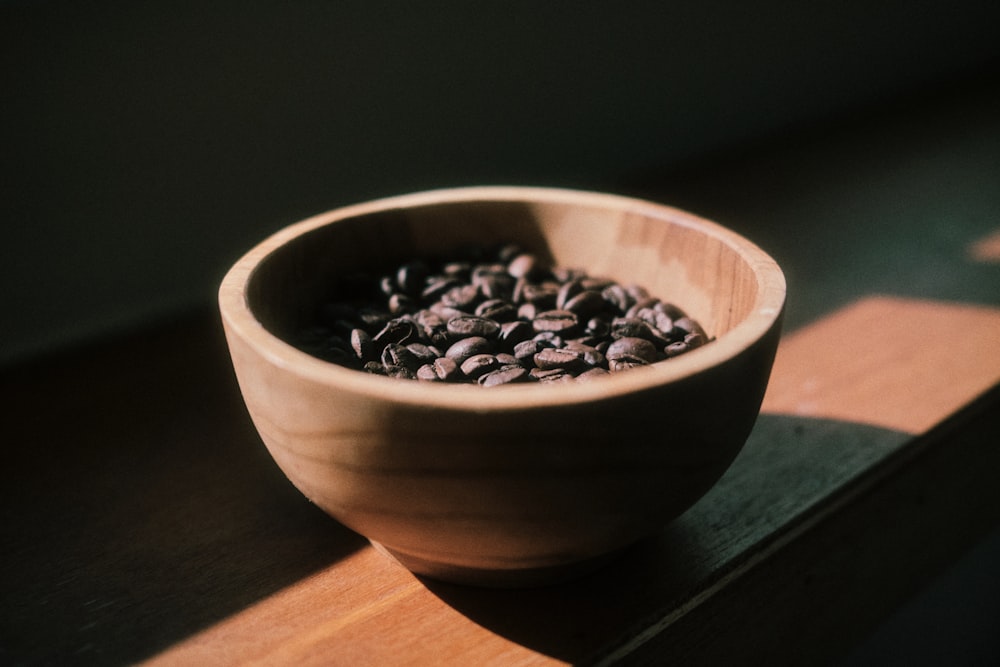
point(506, 496)
point(508, 485)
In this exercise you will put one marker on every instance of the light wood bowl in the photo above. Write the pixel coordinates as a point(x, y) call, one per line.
point(520, 484)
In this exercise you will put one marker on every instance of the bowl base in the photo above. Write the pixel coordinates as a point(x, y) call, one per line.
point(532, 577)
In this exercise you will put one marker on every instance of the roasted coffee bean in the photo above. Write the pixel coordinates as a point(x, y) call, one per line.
point(527, 312)
point(688, 326)
point(631, 349)
point(467, 347)
point(674, 349)
point(663, 322)
point(498, 311)
point(496, 285)
point(585, 304)
point(374, 318)
point(567, 359)
point(618, 297)
point(647, 303)
point(363, 345)
point(427, 373)
point(447, 369)
point(463, 297)
point(504, 375)
point(549, 339)
point(465, 326)
point(591, 355)
point(505, 359)
point(446, 312)
point(508, 251)
point(598, 327)
point(637, 292)
point(549, 375)
point(633, 327)
point(401, 303)
point(525, 265)
point(399, 330)
point(556, 321)
point(566, 292)
point(425, 353)
point(436, 288)
point(694, 340)
point(411, 277)
point(525, 351)
point(375, 368)
point(395, 354)
point(618, 365)
point(670, 310)
point(512, 333)
point(387, 285)
point(479, 364)
point(541, 295)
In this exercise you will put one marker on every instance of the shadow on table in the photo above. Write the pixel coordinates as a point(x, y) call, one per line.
point(138, 504)
point(789, 466)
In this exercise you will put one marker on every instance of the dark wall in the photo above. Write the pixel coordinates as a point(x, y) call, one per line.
point(145, 145)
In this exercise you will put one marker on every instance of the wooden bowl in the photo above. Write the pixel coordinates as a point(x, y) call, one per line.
point(520, 484)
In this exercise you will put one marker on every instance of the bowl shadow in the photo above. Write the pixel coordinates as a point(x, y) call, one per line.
point(789, 466)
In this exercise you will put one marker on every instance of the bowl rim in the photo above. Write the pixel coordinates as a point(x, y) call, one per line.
point(239, 320)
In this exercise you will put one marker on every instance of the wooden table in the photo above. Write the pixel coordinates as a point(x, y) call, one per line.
point(143, 520)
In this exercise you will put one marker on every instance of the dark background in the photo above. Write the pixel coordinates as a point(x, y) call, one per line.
point(146, 145)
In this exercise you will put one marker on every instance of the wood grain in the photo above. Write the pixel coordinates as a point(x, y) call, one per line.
point(516, 485)
point(743, 534)
point(842, 367)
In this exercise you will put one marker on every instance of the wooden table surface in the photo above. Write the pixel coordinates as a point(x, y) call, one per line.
point(142, 519)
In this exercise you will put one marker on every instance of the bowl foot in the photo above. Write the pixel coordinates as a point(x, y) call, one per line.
point(531, 577)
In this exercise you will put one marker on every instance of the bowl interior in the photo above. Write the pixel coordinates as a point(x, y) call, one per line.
point(701, 267)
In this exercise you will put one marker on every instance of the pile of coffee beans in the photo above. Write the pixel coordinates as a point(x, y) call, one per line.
point(492, 317)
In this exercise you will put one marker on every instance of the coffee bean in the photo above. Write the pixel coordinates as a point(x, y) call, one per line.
point(693, 340)
point(401, 303)
point(555, 321)
point(564, 358)
point(566, 292)
point(479, 364)
point(427, 373)
point(465, 326)
point(446, 369)
point(437, 287)
point(688, 326)
point(586, 304)
point(525, 265)
point(398, 330)
point(498, 310)
point(549, 375)
point(632, 349)
point(462, 297)
point(424, 353)
point(525, 351)
point(467, 347)
point(395, 354)
point(512, 333)
point(363, 345)
point(411, 277)
point(504, 375)
point(674, 349)
point(488, 315)
point(633, 327)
